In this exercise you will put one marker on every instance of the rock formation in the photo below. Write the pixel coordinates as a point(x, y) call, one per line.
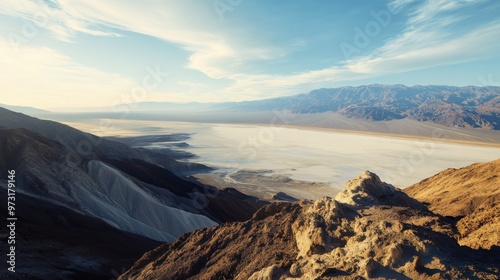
point(370, 230)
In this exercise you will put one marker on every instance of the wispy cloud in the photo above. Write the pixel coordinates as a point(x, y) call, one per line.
point(213, 52)
point(395, 6)
point(426, 41)
point(37, 76)
point(400, 55)
point(429, 38)
point(431, 9)
point(61, 18)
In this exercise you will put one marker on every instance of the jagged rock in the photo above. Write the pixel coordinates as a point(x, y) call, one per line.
point(367, 190)
point(373, 231)
point(369, 266)
point(394, 254)
point(364, 190)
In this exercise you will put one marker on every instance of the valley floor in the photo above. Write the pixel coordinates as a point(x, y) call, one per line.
point(267, 185)
point(307, 156)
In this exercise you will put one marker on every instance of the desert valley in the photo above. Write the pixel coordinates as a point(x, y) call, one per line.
point(319, 202)
point(249, 140)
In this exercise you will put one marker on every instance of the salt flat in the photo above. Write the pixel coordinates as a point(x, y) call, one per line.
point(329, 156)
point(312, 155)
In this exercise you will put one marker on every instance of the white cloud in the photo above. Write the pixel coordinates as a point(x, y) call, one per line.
point(399, 56)
point(416, 48)
point(213, 52)
point(426, 41)
point(62, 20)
point(192, 85)
point(429, 41)
point(432, 8)
point(42, 77)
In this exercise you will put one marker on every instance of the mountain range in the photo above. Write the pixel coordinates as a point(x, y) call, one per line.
point(471, 106)
point(25, 110)
point(450, 106)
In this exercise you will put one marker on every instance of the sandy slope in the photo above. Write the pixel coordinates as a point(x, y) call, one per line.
point(472, 194)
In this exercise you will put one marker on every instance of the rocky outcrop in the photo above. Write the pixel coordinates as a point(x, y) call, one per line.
point(228, 250)
point(471, 195)
point(368, 189)
point(370, 230)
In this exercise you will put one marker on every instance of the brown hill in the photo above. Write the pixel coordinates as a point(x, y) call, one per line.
point(371, 230)
point(471, 195)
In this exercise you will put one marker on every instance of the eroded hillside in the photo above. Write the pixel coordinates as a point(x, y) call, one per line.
point(370, 230)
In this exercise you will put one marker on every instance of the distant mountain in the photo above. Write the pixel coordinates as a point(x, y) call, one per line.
point(25, 110)
point(370, 230)
point(471, 195)
point(87, 146)
point(473, 107)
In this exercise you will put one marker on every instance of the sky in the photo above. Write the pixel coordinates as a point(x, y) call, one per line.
point(62, 55)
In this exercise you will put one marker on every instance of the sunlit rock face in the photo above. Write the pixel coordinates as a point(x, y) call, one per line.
point(371, 230)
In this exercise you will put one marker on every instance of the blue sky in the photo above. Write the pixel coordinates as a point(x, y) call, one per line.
point(67, 54)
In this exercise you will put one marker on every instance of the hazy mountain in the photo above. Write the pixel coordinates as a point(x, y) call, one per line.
point(370, 230)
point(469, 106)
point(83, 145)
point(475, 107)
point(25, 110)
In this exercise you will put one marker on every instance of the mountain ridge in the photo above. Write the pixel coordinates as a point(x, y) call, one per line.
point(150, 204)
point(469, 106)
point(471, 196)
point(451, 106)
point(370, 230)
